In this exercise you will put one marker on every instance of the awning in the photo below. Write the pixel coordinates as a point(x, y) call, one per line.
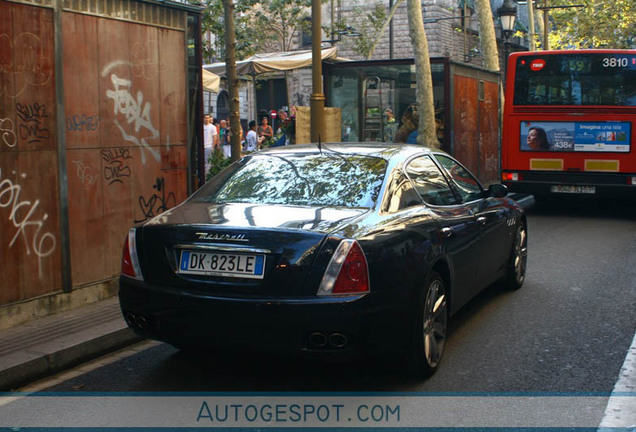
point(211, 81)
point(272, 62)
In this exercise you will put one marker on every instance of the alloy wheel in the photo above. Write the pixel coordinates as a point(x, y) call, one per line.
point(520, 255)
point(435, 322)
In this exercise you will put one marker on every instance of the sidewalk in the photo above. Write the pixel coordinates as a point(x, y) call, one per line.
point(48, 345)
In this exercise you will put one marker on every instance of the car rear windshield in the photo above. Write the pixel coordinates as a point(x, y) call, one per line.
point(328, 179)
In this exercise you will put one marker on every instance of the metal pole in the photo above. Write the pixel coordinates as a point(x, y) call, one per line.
point(391, 31)
point(195, 135)
point(317, 98)
point(62, 169)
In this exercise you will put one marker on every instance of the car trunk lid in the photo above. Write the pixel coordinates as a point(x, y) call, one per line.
point(237, 250)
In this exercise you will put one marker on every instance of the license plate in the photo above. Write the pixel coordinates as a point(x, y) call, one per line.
point(222, 264)
point(573, 189)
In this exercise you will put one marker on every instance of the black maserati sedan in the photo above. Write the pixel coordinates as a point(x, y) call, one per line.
point(333, 250)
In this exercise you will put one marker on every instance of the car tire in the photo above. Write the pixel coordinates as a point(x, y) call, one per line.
point(431, 325)
point(517, 263)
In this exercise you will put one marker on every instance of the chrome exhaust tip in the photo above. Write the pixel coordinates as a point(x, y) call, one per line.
point(142, 322)
point(318, 340)
point(130, 319)
point(338, 340)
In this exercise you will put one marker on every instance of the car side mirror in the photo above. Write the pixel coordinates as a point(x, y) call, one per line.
point(497, 190)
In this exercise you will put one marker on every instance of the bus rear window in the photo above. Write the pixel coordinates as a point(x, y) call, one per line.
point(582, 79)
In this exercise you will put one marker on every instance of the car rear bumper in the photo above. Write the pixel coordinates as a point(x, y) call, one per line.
point(318, 327)
point(545, 189)
point(556, 183)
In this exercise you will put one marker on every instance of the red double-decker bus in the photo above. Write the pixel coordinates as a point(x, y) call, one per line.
point(569, 119)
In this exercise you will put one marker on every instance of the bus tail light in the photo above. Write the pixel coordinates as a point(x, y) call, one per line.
point(632, 181)
point(511, 176)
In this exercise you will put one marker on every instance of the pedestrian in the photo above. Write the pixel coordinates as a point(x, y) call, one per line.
point(210, 139)
point(224, 138)
point(252, 141)
point(265, 131)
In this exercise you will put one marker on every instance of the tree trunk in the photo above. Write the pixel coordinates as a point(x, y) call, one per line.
point(487, 35)
point(531, 27)
point(232, 79)
point(427, 135)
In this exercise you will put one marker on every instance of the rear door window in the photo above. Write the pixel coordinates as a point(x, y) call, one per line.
point(465, 183)
point(429, 182)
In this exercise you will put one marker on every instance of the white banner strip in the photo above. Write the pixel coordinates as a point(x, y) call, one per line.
point(188, 411)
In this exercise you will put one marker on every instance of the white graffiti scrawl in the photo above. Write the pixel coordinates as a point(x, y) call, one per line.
point(22, 217)
point(136, 112)
point(7, 132)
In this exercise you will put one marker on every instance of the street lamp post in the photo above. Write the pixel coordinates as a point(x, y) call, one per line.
point(507, 13)
point(317, 98)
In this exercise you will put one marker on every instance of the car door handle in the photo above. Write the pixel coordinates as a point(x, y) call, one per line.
point(446, 232)
point(481, 220)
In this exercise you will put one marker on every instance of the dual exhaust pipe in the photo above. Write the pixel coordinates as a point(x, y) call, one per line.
point(136, 321)
point(333, 340)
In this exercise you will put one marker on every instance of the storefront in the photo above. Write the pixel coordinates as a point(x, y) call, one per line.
point(378, 103)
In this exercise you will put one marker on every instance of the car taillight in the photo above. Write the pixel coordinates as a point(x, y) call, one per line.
point(347, 272)
point(508, 176)
point(129, 262)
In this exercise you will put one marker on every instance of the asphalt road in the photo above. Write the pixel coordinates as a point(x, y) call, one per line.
point(567, 330)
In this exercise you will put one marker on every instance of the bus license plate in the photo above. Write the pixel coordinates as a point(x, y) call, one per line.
point(573, 189)
point(222, 264)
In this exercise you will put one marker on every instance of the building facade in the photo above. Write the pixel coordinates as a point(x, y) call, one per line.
point(452, 30)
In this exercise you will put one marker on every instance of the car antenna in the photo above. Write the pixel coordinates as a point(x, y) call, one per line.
point(319, 144)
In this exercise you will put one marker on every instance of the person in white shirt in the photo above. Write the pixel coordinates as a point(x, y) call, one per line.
point(210, 139)
point(251, 139)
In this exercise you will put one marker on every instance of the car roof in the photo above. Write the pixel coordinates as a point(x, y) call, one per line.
point(373, 149)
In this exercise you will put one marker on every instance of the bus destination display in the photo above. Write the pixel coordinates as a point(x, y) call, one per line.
point(597, 79)
point(611, 137)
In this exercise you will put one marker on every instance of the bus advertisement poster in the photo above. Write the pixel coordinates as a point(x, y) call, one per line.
point(608, 137)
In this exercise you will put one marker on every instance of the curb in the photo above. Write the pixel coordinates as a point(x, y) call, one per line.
point(50, 363)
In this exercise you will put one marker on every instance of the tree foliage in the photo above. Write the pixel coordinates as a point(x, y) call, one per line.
point(259, 26)
point(282, 20)
point(599, 24)
point(368, 25)
point(375, 38)
point(213, 23)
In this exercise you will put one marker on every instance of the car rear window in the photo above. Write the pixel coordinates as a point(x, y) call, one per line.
point(329, 179)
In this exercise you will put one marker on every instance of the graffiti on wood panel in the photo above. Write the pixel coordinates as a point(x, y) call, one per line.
point(32, 123)
point(26, 219)
point(158, 203)
point(82, 123)
point(145, 64)
point(85, 174)
point(7, 132)
point(116, 167)
point(28, 67)
point(133, 110)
